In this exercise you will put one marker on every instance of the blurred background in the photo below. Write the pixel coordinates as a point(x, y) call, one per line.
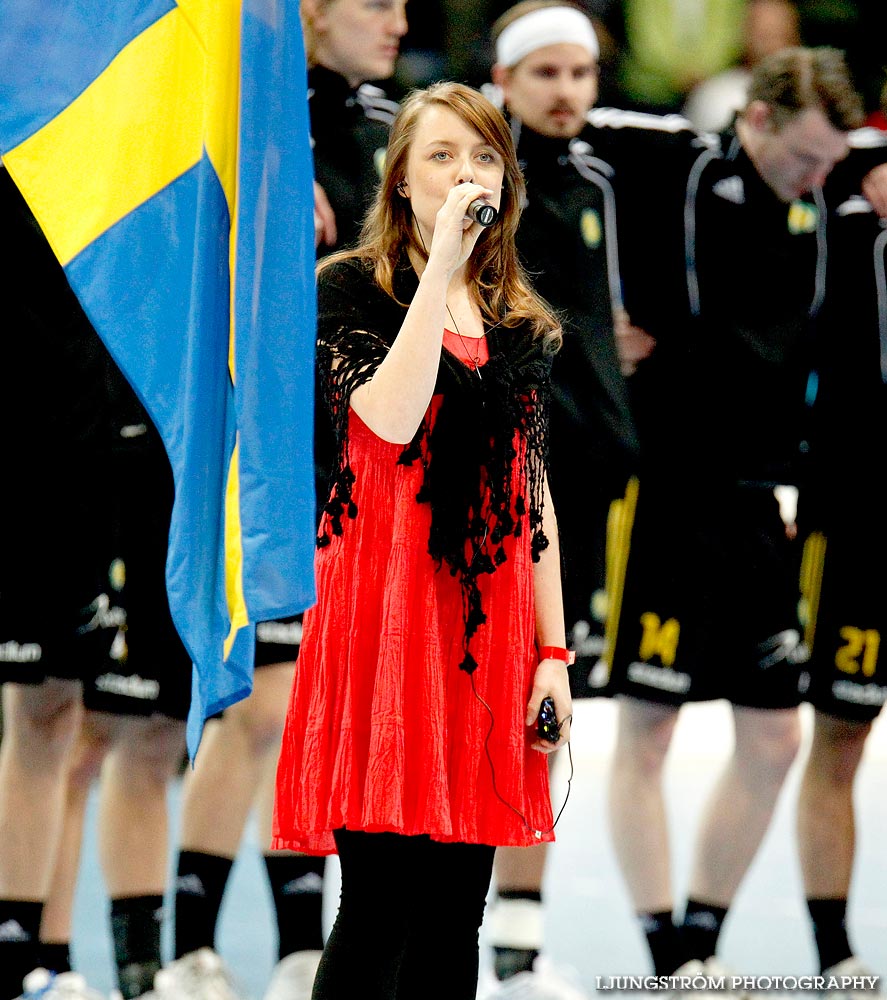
point(655, 52)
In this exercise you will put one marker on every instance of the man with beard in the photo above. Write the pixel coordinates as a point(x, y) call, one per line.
point(718, 407)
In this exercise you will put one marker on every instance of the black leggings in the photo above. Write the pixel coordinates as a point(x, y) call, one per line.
point(408, 921)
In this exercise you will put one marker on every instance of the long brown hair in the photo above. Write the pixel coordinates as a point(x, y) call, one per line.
point(498, 282)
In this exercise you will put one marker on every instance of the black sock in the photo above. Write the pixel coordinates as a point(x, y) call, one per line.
point(19, 946)
point(701, 928)
point(135, 927)
point(200, 886)
point(297, 888)
point(55, 957)
point(508, 960)
point(663, 940)
point(829, 919)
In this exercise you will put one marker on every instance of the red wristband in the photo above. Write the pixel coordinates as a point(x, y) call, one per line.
point(557, 653)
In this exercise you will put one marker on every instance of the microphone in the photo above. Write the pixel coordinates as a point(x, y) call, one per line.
point(482, 212)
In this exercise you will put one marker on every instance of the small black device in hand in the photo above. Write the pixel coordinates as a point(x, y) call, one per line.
point(547, 726)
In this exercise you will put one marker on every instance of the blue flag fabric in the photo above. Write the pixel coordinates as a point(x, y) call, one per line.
point(164, 149)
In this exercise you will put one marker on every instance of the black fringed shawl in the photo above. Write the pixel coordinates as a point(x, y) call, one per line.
point(469, 453)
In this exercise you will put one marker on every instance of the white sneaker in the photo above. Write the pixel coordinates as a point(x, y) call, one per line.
point(43, 985)
point(546, 982)
point(201, 975)
point(708, 980)
point(688, 972)
point(293, 976)
point(853, 968)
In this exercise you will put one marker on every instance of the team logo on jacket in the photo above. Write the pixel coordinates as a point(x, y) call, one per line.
point(802, 218)
point(730, 189)
point(117, 574)
point(590, 227)
point(379, 161)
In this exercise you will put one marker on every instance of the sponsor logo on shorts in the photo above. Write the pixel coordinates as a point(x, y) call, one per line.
point(859, 694)
point(104, 615)
point(784, 647)
point(280, 633)
point(584, 641)
point(661, 678)
point(131, 686)
point(119, 649)
point(20, 652)
point(599, 675)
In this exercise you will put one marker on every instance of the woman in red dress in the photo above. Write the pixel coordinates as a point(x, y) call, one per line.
point(411, 744)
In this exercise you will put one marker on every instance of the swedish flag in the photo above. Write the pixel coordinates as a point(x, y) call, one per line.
point(163, 147)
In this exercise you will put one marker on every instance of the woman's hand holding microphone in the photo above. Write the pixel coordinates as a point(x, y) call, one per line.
point(455, 232)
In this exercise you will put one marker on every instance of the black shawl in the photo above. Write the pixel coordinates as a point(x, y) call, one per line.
point(468, 455)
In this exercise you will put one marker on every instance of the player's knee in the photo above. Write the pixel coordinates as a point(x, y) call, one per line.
point(88, 757)
point(841, 765)
point(645, 734)
point(839, 746)
point(771, 746)
point(261, 727)
point(645, 758)
point(154, 751)
point(44, 722)
point(266, 733)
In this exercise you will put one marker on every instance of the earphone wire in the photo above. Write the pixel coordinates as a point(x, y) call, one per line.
point(474, 360)
point(499, 796)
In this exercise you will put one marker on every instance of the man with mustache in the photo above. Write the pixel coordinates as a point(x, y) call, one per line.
point(702, 220)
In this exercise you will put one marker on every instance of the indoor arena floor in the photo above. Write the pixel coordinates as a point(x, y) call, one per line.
point(589, 922)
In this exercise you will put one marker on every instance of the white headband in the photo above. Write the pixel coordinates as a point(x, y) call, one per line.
point(548, 26)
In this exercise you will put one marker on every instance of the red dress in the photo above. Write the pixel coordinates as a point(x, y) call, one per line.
point(384, 731)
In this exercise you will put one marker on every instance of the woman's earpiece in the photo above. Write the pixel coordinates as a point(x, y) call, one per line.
point(401, 189)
